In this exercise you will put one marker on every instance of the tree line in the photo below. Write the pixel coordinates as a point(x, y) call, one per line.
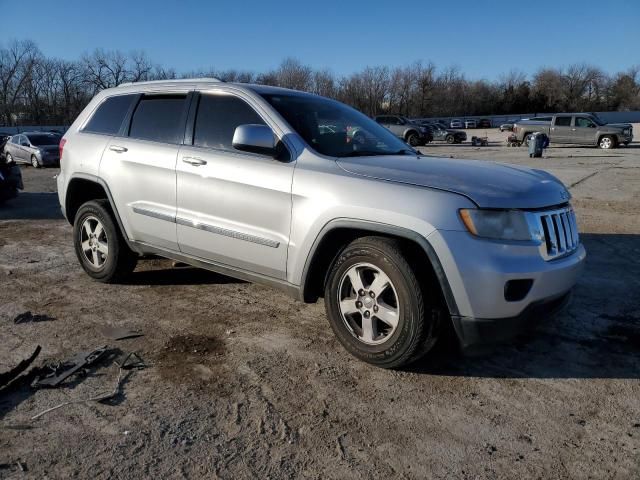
point(35, 89)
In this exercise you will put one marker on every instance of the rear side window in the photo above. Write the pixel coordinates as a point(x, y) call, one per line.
point(563, 121)
point(217, 119)
point(159, 118)
point(108, 117)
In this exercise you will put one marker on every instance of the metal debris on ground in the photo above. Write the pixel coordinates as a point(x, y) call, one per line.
point(124, 370)
point(58, 373)
point(120, 333)
point(6, 378)
point(28, 317)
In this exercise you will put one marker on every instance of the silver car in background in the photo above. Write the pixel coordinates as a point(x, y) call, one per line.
point(39, 149)
point(269, 185)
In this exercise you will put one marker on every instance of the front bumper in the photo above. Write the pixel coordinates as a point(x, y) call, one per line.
point(478, 272)
point(481, 331)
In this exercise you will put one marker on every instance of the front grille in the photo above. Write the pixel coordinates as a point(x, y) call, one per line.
point(558, 232)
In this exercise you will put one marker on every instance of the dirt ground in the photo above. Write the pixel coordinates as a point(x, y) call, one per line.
point(243, 382)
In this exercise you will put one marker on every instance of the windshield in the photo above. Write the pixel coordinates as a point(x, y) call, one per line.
point(42, 140)
point(597, 119)
point(334, 129)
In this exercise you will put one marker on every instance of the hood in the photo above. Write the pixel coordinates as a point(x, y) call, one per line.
point(618, 125)
point(488, 184)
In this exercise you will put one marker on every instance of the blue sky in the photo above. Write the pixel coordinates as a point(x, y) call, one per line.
point(483, 38)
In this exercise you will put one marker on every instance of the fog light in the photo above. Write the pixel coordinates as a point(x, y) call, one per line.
point(516, 290)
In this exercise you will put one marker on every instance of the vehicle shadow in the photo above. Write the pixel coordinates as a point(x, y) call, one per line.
point(597, 336)
point(32, 206)
point(178, 276)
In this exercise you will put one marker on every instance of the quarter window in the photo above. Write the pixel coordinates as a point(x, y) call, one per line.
point(158, 118)
point(108, 117)
point(563, 121)
point(217, 118)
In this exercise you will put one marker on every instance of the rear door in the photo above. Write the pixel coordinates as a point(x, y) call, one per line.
point(562, 130)
point(19, 151)
point(234, 208)
point(139, 166)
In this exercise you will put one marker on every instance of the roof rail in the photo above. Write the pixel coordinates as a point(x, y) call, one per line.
point(173, 80)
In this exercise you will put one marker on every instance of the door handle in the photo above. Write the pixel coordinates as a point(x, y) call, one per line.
point(195, 161)
point(118, 149)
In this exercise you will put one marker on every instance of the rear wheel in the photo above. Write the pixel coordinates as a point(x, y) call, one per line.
point(34, 162)
point(99, 245)
point(606, 142)
point(450, 139)
point(376, 305)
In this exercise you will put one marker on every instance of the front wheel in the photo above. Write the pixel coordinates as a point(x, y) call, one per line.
point(413, 139)
point(34, 162)
point(450, 139)
point(99, 245)
point(607, 142)
point(377, 307)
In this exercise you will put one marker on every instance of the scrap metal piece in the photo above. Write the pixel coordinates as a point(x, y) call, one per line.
point(59, 373)
point(7, 377)
point(137, 363)
point(28, 317)
point(120, 333)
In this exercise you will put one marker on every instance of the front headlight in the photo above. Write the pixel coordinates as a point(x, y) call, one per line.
point(496, 224)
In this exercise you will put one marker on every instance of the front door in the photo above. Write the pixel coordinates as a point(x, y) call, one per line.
point(234, 208)
point(584, 131)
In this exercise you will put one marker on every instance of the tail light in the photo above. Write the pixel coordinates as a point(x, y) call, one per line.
point(62, 142)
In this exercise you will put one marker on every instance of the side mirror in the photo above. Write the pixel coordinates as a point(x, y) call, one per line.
point(25, 144)
point(254, 138)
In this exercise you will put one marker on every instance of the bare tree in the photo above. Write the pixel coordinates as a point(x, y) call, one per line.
point(17, 61)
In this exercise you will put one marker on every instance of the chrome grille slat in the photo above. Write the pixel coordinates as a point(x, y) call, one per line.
point(559, 232)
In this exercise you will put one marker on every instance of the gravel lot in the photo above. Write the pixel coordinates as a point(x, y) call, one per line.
point(243, 382)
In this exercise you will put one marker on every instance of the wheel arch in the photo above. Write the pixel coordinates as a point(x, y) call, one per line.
point(409, 131)
point(84, 188)
point(337, 234)
point(614, 138)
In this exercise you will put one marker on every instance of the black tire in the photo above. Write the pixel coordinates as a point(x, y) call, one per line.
point(413, 139)
point(450, 139)
point(120, 260)
point(415, 333)
point(34, 162)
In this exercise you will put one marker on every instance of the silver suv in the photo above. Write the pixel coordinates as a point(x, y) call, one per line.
point(249, 181)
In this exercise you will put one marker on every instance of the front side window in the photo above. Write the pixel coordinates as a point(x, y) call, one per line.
point(217, 118)
point(158, 118)
point(108, 118)
point(563, 121)
point(584, 122)
point(352, 133)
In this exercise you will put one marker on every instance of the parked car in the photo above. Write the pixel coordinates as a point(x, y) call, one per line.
point(10, 180)
point(470, 124)
point(440, 132)
point(36, 148)
point(403, 128)
point(398, 244)
point(4, 138)
point(455, 123)
point(582, 129)
point(506, 127)
point(484, 123)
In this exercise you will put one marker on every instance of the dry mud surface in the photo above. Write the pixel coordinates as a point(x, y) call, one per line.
point(243, 382)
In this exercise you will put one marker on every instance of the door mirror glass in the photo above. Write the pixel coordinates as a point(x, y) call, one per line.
point(254, 138)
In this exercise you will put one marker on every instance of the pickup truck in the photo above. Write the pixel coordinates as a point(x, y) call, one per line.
point(582, 129)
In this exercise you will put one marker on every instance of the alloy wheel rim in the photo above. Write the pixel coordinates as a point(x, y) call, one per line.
point(605, 142)
point(368, 303)
point(94, 242)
